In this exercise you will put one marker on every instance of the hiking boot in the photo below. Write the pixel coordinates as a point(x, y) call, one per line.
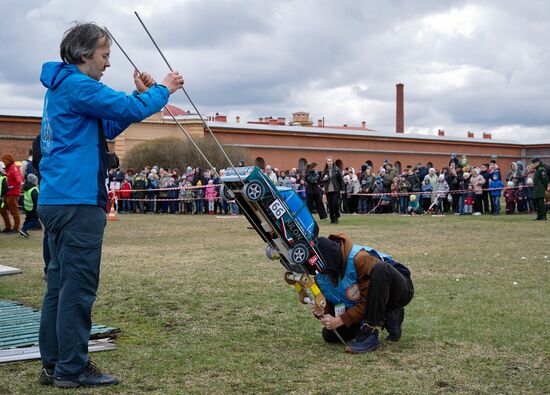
point(394, 320)
point(366, 341)
point(46, 375)
point(90, 377)
point(23, 233)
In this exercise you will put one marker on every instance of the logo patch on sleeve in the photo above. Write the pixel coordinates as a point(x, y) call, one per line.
point(353, 292)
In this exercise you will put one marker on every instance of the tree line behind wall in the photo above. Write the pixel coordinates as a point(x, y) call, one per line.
point(175, 152)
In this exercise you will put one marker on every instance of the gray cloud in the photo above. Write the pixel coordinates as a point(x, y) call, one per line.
point(465, 64)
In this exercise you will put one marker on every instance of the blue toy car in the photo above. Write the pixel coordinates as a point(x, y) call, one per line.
point(279, 216)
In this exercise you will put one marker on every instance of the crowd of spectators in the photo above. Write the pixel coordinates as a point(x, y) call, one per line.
point(461, 188)
point(195, 191)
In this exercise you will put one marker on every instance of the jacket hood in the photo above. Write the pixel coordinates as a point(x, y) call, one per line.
point(345, 241)
point(335, 250)
point(54, 73)
point(331, 253)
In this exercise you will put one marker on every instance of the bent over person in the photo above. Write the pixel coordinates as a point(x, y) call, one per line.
point(79, 114)
point(365, 290)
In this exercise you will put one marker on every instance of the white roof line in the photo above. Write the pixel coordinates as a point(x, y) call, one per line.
point(305, 130)
point(358, 133)
point(20, 112)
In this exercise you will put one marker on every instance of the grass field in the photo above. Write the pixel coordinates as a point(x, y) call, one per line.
point(202, 311)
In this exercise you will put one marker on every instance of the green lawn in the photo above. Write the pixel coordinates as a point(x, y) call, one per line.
point(202, 311)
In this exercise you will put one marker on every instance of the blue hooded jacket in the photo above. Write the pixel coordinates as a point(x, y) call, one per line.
point(496, 184)
point(74, 162)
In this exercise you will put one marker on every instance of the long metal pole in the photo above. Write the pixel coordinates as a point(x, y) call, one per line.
point(198, 113)
point(165, 107)
point(189, 98)
point(339, 337)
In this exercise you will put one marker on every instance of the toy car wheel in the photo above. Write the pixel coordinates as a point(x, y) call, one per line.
point(299, 254)
point(226, 193)
point(254, 190)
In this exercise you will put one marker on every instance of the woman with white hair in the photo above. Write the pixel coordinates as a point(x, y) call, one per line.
point(432, 176)
point(441, 192)
point(353, 190)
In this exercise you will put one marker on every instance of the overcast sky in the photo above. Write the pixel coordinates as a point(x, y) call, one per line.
point(466, 65)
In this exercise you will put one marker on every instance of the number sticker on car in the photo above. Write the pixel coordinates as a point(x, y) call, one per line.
point(277, 208)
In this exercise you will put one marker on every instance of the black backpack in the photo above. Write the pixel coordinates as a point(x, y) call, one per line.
point(404, 270)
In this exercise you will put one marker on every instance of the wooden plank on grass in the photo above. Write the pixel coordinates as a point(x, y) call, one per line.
point(29, 353)
point(19, 326)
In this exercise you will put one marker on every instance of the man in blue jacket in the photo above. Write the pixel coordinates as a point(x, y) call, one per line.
point(79, 114)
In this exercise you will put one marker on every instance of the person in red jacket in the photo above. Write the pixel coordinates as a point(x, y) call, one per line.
point(15, 179)
point(125, 194)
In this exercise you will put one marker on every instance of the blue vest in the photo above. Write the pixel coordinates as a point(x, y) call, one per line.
point(347, 289)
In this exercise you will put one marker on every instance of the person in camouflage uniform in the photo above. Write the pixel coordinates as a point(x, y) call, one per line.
point(540, 183)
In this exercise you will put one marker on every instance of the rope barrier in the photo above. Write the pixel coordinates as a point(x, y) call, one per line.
point(454, 192)
point(303, 190)
point(218, 198)
point(178, 188)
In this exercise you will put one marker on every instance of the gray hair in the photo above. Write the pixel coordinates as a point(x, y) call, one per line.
point(80, 41)
point(32, 178)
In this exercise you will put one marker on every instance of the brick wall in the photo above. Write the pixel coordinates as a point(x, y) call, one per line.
point(19, 149)
point(20, 127)
point(16, 134)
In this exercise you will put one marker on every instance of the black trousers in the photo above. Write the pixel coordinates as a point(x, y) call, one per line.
point(540, 207)
point(486, 202)
point(314, 200)
point(345, 332)
point(388, 290)
point(332, 203)
point(456, 200)
point(478, 203)
point(354, 203)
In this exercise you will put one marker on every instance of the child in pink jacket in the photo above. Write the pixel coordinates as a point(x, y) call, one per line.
point(210, 195)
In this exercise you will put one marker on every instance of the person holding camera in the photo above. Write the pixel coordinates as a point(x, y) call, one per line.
point(334, 186)
point(314, 198)
point(79, 114)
